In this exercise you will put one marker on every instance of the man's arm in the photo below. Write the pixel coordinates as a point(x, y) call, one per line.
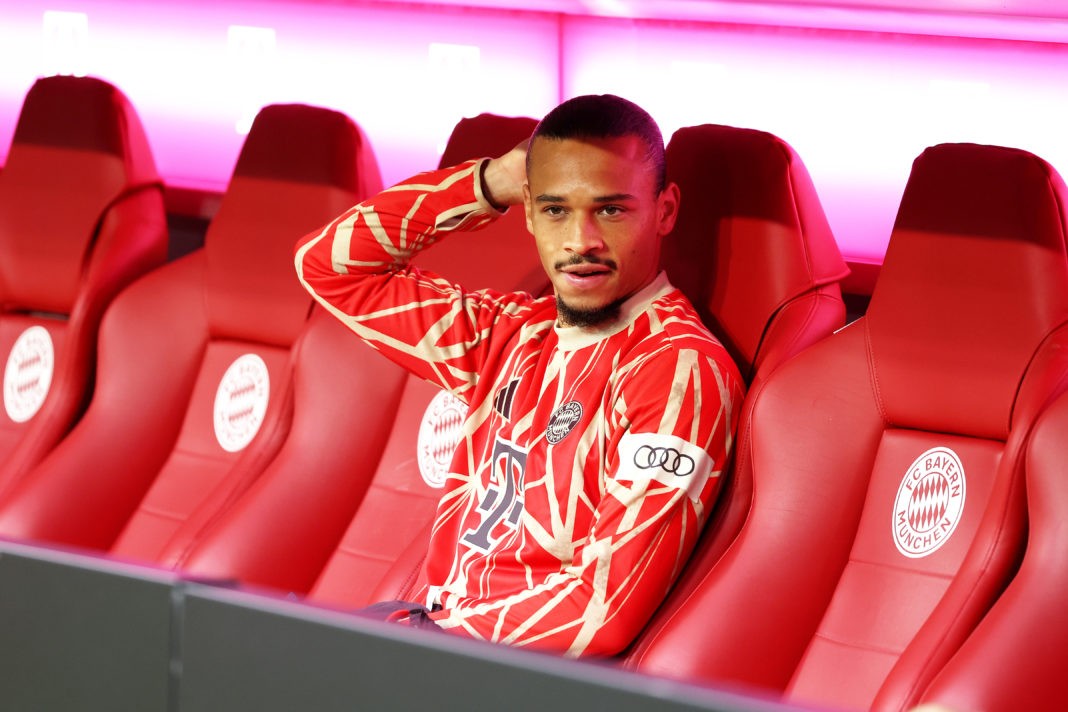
point(663, 471)
point(357, 267)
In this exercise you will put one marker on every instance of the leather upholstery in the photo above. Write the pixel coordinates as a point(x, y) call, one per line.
point(752, 248)
point(1014, 658)
point(385, 544)
point(962, 346)
point(81, 216)
point(753, 251)
point(164, 432)
point(342, 536)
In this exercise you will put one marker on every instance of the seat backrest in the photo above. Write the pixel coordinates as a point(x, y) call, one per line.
point(885, 459)
point(200, 351)
point(280, 533)
point(81, 216)
point(385, 481)
point(752, 248)
point(753, 251)
point(1015, 657)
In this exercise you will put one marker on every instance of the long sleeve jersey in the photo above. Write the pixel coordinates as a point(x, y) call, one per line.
point(589, 456)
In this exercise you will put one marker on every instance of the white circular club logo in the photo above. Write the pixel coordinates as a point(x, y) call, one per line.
point(439, 434)
point(929, 502)
point(28, 374)
point(241, 401)
point(563, 421)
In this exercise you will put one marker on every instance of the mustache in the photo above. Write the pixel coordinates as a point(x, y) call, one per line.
point(576, 259)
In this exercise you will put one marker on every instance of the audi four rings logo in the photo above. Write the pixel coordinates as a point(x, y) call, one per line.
point(666, 458)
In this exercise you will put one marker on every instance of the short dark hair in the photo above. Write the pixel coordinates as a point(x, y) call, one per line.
point(606, 116)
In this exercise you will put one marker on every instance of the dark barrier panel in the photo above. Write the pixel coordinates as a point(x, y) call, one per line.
point(84, 633)
point(81, 633)
point(246, 652)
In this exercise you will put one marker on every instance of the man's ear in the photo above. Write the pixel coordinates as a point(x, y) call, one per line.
point(527, 208)
point(668, 208)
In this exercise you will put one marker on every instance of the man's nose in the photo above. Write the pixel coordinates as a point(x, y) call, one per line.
point(584, 236)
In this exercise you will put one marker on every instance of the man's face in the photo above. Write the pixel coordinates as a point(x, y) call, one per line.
point(597, 221)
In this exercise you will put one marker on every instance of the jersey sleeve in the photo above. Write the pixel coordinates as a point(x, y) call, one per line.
point(679, 412)
point(357, 267)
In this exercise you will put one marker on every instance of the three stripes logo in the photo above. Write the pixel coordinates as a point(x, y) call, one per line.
point(502, 402)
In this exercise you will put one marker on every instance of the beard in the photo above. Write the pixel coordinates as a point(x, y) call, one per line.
point(575, 316)
point(568, 315)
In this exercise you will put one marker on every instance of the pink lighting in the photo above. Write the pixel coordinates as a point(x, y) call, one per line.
point(1028, 20)
point(251, 60)
point(194, 78)
point(64, 42)
point(858, 107)
point(858, 87)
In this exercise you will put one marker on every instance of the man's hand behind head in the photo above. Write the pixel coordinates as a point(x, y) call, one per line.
point(504, 176)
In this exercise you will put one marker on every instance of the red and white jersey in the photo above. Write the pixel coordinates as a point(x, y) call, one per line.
point(589, 457)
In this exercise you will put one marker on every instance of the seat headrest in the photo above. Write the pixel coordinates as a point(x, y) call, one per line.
point(974, 279)
point(78, 146)
point(86, 114)
point(485, 135)
point(297, 143)
point(300, 167)
point(751, 233)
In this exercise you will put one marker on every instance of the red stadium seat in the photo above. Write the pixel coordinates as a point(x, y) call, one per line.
point(381, 555)
point(194, 391)
point(81, 216)
point(343, 555)
point(1015, 658)
point(885, 460)
point(280, 533)
point(752, 248)
point(753, 251)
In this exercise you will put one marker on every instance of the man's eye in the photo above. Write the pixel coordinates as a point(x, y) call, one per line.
point(612, 211)
point(553, 210)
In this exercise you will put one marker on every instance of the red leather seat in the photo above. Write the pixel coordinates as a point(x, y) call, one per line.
point(381, 555)
point(752, 248)
point(1015, 658)
point(887, 506)
point(81, 216)
point(753, 251)
point(194, 393)
point(384, 495)
point(280, 532)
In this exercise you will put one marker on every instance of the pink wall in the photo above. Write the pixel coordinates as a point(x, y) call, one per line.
point(858, 92)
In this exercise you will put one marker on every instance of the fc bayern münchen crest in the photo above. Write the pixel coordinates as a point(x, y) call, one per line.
point(439, 434)
point(563, 421)
point(929, 503)
point(28, 374)
point(241, 402)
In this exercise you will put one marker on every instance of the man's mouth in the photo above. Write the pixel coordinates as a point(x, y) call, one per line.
point(584, 267)
point(585, 271)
